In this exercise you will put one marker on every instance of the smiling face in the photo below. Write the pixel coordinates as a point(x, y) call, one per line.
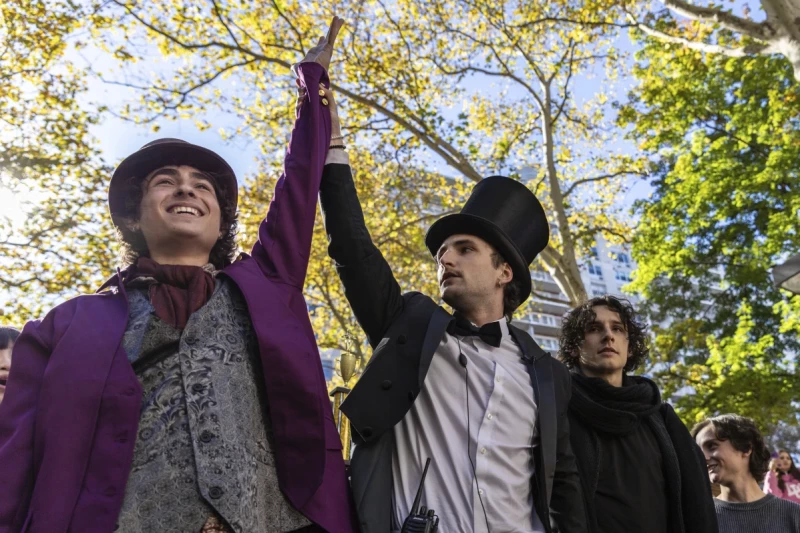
point(179, 209)
point(784, 462)
point(468, 274)
point(726, 465)
point(605, 344)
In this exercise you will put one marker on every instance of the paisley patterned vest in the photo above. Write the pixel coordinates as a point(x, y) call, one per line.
point(204, 443)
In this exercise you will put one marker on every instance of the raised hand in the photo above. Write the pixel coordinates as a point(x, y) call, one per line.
point(323, 51)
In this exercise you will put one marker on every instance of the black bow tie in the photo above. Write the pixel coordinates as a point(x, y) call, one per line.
point(489, 333)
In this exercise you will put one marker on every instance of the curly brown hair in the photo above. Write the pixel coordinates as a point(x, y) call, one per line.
point(744, 436)
point(573, 331)
point(133, 242)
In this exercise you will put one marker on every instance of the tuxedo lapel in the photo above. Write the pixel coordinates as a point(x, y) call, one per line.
point(548, 426)
point(433, 336)
point(539, 367)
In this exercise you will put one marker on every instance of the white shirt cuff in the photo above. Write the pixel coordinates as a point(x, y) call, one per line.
point(337, 156)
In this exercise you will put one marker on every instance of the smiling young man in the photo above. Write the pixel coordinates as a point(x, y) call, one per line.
point(737, 458)
point(471, 392)
point(190, 397)
point(640, 469)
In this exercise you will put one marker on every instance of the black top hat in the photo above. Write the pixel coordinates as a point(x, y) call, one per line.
point(167, 152)
point(507, 215)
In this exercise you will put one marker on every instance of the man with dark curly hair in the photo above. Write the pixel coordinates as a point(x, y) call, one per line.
point(189, 396)
point(639, 468)
point(737, 458)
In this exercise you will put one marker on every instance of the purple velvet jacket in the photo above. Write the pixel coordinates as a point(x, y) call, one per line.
point(69, 419)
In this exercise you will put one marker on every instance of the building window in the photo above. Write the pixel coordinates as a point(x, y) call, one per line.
point(547, 343)
point(593, 252)
point(622, 276)
point(544, 319)
point(595, 270)
point(623, 258)
point(598, 289)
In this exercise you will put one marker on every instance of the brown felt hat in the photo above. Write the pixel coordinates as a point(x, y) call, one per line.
point(168, 152)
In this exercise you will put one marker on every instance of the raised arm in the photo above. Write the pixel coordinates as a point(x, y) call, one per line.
point(284, 238)
point(771, 484)
point(369, 285)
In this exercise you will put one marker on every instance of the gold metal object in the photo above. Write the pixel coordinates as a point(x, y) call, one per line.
point(347, 369)
point(324, 101)
point(347, 366)
point(321, 92)
point(342, 423)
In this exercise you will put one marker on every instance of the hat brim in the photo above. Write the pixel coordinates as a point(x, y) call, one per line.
point(488, 231)
point(140, 164)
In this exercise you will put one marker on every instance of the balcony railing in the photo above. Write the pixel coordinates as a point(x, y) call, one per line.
point(543, 319)
point(550, 296)
point(542, 276)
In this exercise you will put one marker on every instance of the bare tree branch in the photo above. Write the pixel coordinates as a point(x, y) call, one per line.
point(594, 230)
point(724, 18)
point(565, 97)
point(742, 51)
point(451, 156)
point(601, 178)
point(218, 13)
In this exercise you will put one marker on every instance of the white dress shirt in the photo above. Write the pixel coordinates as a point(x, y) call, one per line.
point(502, 433)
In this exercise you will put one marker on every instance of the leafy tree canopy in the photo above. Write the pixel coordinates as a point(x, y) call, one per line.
point(47, 156)
point(724, 136)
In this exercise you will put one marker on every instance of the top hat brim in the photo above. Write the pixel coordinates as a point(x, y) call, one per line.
point(487, 230)
point(140, 164)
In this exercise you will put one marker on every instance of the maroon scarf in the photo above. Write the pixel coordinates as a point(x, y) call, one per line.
point(178, 290)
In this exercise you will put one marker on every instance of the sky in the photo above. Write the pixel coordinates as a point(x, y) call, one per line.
point(118, 138)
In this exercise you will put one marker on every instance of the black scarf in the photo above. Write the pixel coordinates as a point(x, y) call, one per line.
point(613, 410)
point(602, 408)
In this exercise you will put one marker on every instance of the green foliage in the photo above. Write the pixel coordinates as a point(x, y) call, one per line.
point(490, 91)
point(47, 156)
point(724, 137)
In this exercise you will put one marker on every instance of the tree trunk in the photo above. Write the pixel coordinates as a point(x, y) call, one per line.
point(564, 266)
point(784, 18)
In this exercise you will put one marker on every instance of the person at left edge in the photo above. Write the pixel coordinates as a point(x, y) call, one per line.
point(7, 337)
point(191, 397)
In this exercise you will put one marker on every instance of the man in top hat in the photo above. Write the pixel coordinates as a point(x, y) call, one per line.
point(191, 397)
point(470, 391)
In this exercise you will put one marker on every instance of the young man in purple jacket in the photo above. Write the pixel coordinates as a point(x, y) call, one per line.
point(189, 395)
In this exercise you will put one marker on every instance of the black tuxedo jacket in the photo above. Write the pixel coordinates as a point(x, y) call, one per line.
point(404, 331)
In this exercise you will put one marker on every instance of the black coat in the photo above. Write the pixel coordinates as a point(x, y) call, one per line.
point(404, 331)
point(696, 513)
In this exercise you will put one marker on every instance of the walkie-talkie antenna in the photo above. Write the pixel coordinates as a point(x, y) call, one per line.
point(415, 507)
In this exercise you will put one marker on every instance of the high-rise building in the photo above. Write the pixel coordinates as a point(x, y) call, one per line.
point(606, 272)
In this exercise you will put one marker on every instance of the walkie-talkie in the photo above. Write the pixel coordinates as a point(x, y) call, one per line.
point(421, 520)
